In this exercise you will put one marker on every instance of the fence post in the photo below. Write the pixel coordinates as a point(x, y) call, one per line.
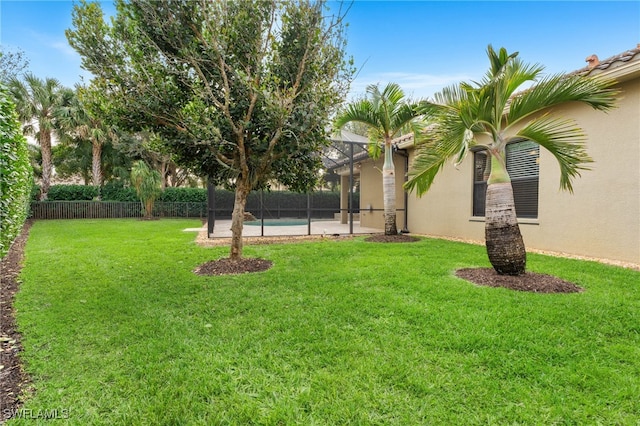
point(308, 213)
point(211, 205)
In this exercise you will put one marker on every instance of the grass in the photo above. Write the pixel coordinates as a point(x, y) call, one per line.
point(118, 331)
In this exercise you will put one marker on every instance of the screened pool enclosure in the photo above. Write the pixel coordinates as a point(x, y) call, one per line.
point(325, 211)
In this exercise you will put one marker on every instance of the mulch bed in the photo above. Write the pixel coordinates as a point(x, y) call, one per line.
point(228, 266)
point(530, 281)
point(12, 378)
point(398, 238)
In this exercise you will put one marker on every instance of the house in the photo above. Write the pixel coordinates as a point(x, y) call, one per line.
point(600, 219)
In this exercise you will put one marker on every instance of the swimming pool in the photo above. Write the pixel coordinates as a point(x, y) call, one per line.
point(278, 222)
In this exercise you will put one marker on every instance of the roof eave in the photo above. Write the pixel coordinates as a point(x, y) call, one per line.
point(624, 72)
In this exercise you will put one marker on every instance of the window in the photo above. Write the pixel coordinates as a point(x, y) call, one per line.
point(523, 165)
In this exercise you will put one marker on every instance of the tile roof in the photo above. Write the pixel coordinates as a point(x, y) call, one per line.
point(612, 62)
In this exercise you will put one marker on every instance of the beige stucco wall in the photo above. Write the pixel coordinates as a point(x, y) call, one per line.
point(371, 199)
point(600, 219)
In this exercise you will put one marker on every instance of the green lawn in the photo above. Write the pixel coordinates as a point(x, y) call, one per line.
point(118, 331)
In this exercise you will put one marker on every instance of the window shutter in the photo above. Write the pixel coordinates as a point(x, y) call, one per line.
point(523, 166)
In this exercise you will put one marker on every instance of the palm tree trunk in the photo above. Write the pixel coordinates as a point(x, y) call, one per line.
point(96, 163)
point(163, 174)
point(389, 192)
point(237, 218)
point(148, 208)
point(47, 163)
point(505, 246)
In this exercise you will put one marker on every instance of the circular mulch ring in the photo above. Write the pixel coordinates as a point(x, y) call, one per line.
point(228, 266)
point(398, 238)
point(530, 281)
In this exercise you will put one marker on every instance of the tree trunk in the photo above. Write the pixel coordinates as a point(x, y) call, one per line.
point(96, 164)
point(47, 163)
point(148, 208)
point(237, 218)
point(504, 242)
point(389, 192)
point(505, 246)
point(163, 174)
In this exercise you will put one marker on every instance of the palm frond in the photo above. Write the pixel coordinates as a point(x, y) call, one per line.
point(402, 117)
point(560, 89)
point(498, 61)
point(565, 140)
point(447, 139)
point(361, 112)
point(375, 150)
point(392, 94)
point(386, 113)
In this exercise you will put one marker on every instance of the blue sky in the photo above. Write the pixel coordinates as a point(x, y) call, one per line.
point(422, 45)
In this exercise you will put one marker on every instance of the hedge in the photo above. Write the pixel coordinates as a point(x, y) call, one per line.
point(73, 193)
point(16, 174)
point(183, 195)
point(116, 191)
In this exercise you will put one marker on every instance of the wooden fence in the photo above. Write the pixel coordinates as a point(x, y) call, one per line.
point(112, 209)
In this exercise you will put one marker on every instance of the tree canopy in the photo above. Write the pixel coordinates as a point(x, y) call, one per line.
point(241, 91)
point(12, 63)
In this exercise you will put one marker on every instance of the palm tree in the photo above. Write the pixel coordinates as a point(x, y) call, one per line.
point(386, 114)
point(78, 121)
point(493, 110)
point(146, 181)
point(37, 101)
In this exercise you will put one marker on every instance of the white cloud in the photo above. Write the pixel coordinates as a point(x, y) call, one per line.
point(415, 85)
point(63, 47)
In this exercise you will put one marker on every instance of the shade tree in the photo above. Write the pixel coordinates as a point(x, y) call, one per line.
point(241, 91)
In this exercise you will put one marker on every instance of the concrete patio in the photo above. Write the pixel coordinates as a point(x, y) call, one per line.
point(222, 229)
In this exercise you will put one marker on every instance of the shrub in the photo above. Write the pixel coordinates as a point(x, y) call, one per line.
point(184, 195)
point(116, 191)
point(73, 193)
point(16, 174)
point(35, 192)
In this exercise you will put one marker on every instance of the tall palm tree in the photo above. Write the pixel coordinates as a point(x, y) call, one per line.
point(79, 121)
point(36, 103)
point(386, 114)
point(493, 109)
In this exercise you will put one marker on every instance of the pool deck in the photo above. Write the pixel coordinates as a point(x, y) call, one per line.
point(222, 229)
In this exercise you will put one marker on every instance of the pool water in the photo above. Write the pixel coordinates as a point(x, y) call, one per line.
point(278, 222)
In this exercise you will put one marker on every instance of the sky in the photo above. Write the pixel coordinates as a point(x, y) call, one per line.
point(421, 45)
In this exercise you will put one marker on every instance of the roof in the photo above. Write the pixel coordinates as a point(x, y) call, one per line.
point(344, 162)
point(613, 61)
point(347, 136)
point(342, 159)
point(623, 66)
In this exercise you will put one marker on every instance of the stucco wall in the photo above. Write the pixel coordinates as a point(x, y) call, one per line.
point(600, 219)
point(371, 200)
